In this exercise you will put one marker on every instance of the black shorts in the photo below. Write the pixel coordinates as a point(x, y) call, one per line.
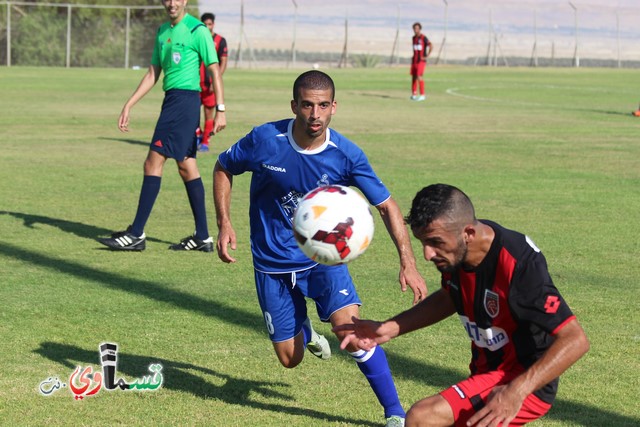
point(175, 134)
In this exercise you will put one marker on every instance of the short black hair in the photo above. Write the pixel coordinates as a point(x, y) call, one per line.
point(437, 201)
point(208, 15)
point(418, 24)
point(315, 80)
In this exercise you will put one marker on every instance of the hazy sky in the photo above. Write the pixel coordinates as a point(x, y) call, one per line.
point(374, 24)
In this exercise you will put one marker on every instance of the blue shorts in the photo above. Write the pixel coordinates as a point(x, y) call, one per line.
point(282, 297)
point(175, 134)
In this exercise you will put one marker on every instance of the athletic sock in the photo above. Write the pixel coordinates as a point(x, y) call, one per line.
point(195, 191)
point(421, 87)
point(375, 368)
point(208, 128)
point(148, 194)
point(414, 87)
point(306, 333)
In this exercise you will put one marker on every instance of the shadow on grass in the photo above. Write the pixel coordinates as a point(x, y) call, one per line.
point(374, 95)
point(79, 229)
point(234, 390)
point(127, 140)
point(181, 376)
point(143, 288)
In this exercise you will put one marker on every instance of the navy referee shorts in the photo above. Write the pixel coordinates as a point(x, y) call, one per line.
point(175, 134)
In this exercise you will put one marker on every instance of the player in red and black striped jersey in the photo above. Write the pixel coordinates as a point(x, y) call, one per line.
point(422, 48)
point(207, 96)
point(523, 334)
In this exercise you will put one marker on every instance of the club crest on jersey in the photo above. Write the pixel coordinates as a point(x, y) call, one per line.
point(491, 303)
point(177, 57)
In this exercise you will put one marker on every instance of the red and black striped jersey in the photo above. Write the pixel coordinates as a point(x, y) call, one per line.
point(420, 43)
point(509, 307)
point(221, 45)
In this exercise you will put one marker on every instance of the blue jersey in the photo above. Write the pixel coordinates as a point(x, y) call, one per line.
point(282, 174)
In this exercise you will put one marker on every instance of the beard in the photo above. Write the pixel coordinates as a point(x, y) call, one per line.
point(459, 255)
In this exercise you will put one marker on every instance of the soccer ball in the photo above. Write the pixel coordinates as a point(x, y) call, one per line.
point(333, 224)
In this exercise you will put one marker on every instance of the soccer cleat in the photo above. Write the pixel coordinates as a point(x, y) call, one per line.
point(395, 421)
point(636, 113)
point(203, 148)
point(414, 97)
point(125, 241)
point(421, 98)
point(318, 346)
point(192, 243)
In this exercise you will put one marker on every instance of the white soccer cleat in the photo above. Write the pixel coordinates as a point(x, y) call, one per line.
point(395, 421)
point(318, 346)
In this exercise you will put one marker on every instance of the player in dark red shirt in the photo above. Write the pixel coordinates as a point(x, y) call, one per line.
point(207, 96)
point(523, 334)
point(422, 48)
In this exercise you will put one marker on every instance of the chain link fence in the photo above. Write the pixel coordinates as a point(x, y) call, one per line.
point(333, 33)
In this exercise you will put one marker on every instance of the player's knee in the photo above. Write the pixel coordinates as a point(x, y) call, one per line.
point(424, 413)
point(288, 354)
point(289, 362)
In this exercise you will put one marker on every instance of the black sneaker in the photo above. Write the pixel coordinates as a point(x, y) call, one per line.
point(192, 243)
point(125, 241)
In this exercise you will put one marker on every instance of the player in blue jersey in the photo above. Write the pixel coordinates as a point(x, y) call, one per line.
point(287, 159)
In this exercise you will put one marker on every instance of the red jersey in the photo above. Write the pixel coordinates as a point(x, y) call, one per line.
point(509, 307)
point(222, 51)
point(420, 44)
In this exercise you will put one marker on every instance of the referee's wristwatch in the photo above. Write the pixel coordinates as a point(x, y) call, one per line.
point(221, 108)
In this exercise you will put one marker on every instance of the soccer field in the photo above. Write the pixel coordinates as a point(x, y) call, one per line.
point(553, 153)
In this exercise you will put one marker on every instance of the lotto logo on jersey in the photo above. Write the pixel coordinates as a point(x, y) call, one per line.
point(493, 338)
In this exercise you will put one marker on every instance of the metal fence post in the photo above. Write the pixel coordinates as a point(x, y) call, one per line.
point(126, 38)
point(68, 36)
point(9, 34)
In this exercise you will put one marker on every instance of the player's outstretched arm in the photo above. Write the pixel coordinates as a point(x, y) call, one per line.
point(409, 275)
point(215, 76)
point(366, 334)
point(146, 84)
point(503, 403)
point(222, 183)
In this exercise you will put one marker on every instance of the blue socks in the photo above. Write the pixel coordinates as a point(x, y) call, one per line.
point(375, 368)
point(195, 191)
point(148, 194)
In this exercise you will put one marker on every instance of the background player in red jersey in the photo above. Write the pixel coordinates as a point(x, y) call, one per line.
point(207, 96)
point(422, 48)
point(523, 334)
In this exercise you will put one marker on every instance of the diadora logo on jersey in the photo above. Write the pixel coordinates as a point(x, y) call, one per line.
point(345, 292)
point(491, 303)
point(493, 338)
point(274, 168)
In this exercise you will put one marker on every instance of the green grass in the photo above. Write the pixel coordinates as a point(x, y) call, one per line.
point(550, 152)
